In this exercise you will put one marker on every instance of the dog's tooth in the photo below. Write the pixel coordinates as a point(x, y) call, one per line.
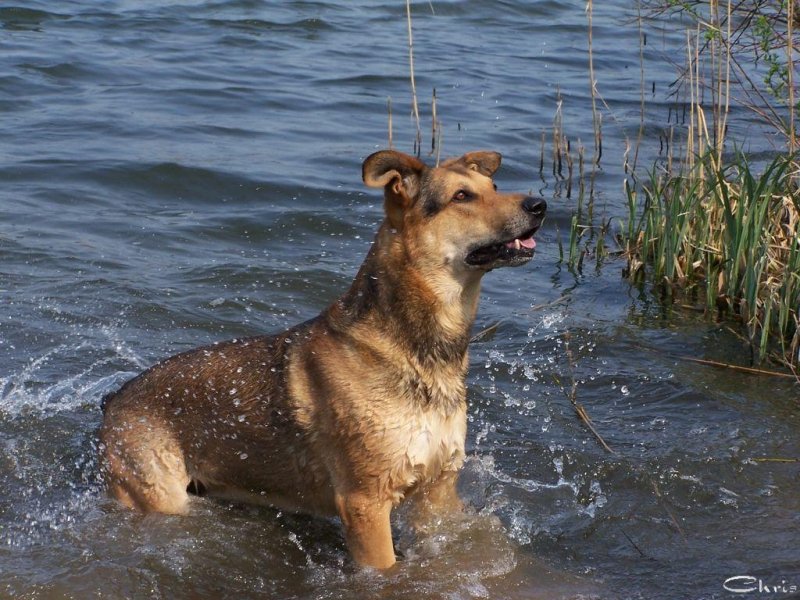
point(516, 245)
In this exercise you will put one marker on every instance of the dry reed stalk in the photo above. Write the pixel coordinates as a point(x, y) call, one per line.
point(389, 109)
point(723, 127)
point(597, 117)
point(635, 546)
point(557, 301)
point(669, 148)
point(691, 149)
point(711, 46)
point(572, 395)
point(593, 90)
point(581, 177)
point(666, 508)
point(486, 334)
point(438, 142)
point(750, 370)
point(541, 156)
point(718, 46)
point(642, 42)
point(699, 115)
point(570, 166)
point(790, 66)
point(436, 131)
point(558, 134)
point(415, 105)
point(433, 126)
point(626, 167)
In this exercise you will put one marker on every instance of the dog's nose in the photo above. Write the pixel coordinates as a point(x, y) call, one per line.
point(536, 206)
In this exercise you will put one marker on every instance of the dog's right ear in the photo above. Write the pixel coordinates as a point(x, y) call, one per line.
point(398, 174)
point(391, 167)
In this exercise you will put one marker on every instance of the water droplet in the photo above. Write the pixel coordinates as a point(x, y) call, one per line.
point(243, 455)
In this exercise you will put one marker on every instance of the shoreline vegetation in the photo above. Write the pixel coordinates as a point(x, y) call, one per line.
point(707, 229)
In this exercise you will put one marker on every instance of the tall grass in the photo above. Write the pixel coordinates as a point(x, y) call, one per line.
point(710, 228)
point(731, 239)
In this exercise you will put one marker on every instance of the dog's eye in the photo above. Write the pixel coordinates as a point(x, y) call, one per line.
point(462, 196)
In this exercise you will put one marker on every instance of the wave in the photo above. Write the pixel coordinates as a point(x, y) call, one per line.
point(29, 389)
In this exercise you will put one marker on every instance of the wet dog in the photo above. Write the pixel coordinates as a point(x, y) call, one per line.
point(350, 412)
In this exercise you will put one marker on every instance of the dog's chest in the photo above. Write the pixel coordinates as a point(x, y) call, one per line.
point(428, 443)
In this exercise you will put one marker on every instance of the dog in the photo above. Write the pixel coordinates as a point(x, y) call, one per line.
point(348, 413)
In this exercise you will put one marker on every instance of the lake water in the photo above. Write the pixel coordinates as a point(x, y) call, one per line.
point(176, 173)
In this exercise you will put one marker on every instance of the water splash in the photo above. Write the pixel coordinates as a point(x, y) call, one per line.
point(43, 386)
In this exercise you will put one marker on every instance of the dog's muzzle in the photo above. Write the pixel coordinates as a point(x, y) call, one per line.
point(516, 249)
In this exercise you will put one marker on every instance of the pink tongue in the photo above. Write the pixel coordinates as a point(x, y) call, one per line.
point(530, 243)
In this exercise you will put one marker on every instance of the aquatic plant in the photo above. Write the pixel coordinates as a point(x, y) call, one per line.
point(706, 226)
point(727, 236)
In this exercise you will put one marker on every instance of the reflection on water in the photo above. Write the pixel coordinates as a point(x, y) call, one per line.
point(176, 174)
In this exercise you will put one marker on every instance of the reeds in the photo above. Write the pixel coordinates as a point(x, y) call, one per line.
point(711, 229)
point(585, 237)
point(729, 238)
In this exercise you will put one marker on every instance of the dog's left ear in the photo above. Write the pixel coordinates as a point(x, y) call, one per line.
point(398, 174)
point(483, 161)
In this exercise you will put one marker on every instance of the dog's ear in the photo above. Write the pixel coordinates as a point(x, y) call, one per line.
point(398, 174)
point(483, 161)
point(390, 167)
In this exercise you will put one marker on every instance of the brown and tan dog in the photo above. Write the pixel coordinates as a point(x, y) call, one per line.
point(353, 410)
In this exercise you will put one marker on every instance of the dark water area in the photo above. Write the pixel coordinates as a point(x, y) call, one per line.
point(174, 174)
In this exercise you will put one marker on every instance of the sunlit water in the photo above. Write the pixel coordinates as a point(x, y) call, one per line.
point(178, 173)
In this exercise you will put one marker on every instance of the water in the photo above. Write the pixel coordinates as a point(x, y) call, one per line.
point(179, 173)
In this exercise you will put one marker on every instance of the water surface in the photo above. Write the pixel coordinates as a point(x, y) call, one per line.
point(178, 173)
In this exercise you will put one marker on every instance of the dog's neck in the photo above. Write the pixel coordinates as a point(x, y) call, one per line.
point(428, 312)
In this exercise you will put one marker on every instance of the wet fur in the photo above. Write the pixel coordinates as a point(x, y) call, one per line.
point(347, 413)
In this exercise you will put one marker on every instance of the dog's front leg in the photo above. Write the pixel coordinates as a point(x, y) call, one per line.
point(441, 495)
point(436, 499)
point(367, 529)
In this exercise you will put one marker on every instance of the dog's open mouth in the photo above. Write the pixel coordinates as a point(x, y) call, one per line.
point(509, 253)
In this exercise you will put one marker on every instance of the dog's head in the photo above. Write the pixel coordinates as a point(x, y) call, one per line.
point(453, 214)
